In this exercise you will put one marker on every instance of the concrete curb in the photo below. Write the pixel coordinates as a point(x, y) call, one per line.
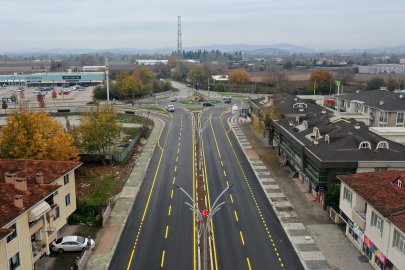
point(125, 202)
point(305, 247)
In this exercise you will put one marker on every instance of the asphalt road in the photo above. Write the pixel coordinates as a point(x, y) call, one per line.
point(247, 233)
point(160, 225)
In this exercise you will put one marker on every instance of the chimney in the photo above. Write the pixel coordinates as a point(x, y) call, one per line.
point(357, 126)
point(21, 184)
point(18, 201)
point(40, 178)
point(9, 178)
point(381, 102)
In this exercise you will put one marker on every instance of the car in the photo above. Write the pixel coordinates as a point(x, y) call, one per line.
point(173, 99)
point(227, 98)
point(66, 86)
point(64, 92)
point(188, 85)
point(71, 243)
point(198, 99)
point(90, 102)
point(208, 104)
point(38, 90)
point(170, 108)
point(85, 85)
point(228, 101)
point(18, 90)
point(41, 88)
point(130, 101)
point(100, 85)
point(48, 89)
point(81, 89)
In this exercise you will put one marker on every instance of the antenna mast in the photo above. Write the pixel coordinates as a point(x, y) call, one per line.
point(179, 46)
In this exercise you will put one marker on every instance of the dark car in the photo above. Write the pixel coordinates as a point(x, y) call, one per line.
point(130, 101)
point(228, 101)
point(208, 104)
point(90, 102)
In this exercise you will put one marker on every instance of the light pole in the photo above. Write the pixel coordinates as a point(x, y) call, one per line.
point(108, 84)
point(200, 131)
point(206, 228)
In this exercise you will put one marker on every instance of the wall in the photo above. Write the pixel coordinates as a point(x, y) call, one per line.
point(394, 254)
point(369, 166)
point(380, 239)
point(3, 254)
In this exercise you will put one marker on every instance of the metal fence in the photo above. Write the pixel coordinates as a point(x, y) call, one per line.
point(121, 157)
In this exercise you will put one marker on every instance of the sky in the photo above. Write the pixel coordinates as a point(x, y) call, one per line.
point(101, 24)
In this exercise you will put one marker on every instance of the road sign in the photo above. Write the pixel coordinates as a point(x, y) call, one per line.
point(197, 87)
point(204, 213)
point(13, 77)
point(338, 83)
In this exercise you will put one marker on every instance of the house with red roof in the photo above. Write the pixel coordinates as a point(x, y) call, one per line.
point(36, 199)
point(373, 206)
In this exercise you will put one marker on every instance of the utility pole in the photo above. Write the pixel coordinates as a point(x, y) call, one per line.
point(179, 43)
point(314, 86)
point(108, 80)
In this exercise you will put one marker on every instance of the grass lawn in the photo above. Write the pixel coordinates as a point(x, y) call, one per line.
point(132, 119)
point(102, 189)
point(130, 133)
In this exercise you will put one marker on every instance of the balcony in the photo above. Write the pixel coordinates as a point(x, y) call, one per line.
point(35, 226)
point(359, 217)
point(37, 251)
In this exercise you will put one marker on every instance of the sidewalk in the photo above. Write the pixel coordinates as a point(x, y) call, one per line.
point(329, 241)
point(104, 251)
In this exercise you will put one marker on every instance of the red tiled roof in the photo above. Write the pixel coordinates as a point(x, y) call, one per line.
point(33, 195)
point(28, 168)
point(4, 232)
point(399, 221)
point(378, 190)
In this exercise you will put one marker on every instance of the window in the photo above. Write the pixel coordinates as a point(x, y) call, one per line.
point(365, 145)
point(348, 195)
point(14, 262)
point(382, 144)
point(400, 119)
point(66, 179)
point(348, 104)
point(67, 199)
point(365, 109)
point(384, 117)
point(380, 169)
point(377, 222)
point(57, 213)
point(399, 183)
point(14, 234)
point(399, 242)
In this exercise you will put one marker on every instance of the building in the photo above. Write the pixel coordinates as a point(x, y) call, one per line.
point(377, 108)
point(53, 79)
point(382, 68)
point(402, 60)
point(92, 68)
point(220, 78)
point(36, 199)
point(320, 146)
point(150, 62)
point(373, 207)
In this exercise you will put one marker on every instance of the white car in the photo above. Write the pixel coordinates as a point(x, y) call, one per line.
point(170, 108)
point(18, 90)
point(71, 243)
point(37, 91)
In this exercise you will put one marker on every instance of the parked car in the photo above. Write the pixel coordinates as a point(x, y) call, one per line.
point(227, 98)
point(41, 88)
point(64, 92)
point(71, 243)
point(130, 101)
point(48, 89)
point(173, 99)
point(208, 104)
point(38, 90)
point(228, 101)
point(188, 85)
point(18, 90)
point(66, 86)
point(170, 108)
point(90, 102)
point(81, 89)
point(100, 85)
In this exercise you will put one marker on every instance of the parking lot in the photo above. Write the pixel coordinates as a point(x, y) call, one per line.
point(73, 96)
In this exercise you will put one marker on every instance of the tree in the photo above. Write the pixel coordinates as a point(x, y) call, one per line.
point(172, 62)
point(59, 65)
point(345, 75)
point(4, 106)
point(101, 60)
point(37, 136)
point(41, 100)
point(14, 99)
point(375, 83)
point(332, 196)
point(87, 60)
point(324, 81)
point(239, 76)
point(281, 82)
point(393, 58)
point(220, 87)
point(288, 63)
point(65, 64)
point(98, 130)
point(197, 74)
point(392, 83)
point(54, 67)
point(145, 74)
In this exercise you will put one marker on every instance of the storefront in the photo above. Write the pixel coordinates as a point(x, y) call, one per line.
point(355, 233)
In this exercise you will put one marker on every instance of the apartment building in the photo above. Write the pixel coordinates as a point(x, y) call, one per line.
point(36, 199)
point(373, 207)
point(319, 147)
point(376, 108)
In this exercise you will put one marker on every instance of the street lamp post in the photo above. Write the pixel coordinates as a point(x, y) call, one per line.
point(204, 228)
point(108, 84)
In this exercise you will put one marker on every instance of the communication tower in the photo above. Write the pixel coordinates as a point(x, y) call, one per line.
point(179, 46)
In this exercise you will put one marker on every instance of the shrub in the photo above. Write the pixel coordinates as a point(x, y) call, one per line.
point(332, 196)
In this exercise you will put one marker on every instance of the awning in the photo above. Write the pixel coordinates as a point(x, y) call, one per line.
point(36, 212)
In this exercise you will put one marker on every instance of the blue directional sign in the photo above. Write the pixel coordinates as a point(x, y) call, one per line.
point(197, 87)
point(153, 94)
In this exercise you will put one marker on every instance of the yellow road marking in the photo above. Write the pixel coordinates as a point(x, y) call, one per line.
point(174, 179)
point(178, 151)
point(229, 195)
point(224, 173)
point(194, 225)
point(227, 183)
point(179, 138)
point(236, 215)
point(241, 236)
point(167, 229)
point(177, 158)
point(222, 163)
point(130, 260)
point(179, 144)
point(219, 153)
point(175, 169)
point(172, 194)
point(170, 209)
point(180, 133)
point(249, 263)
point(163, 259)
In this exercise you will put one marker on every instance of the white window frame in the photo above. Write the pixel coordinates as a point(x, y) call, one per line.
point(365, 144)
point(399, 242)
point(377, 222)
point(67, 198)
point(400, 124)
point(348, 195)
point(383, 145)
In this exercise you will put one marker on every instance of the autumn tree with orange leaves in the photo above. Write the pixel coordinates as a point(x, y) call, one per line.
point(39, 136)
point(239, 76)
point(325, 81)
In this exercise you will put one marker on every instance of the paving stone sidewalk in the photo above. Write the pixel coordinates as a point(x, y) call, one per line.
point(299, 213)
point(104, 251)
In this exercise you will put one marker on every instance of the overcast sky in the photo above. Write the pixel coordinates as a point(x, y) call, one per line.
point(106, 24)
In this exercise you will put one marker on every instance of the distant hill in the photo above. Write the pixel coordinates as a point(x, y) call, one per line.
point(266, 51)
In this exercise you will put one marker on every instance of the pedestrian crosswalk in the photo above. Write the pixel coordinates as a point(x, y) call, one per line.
point(235, 119)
